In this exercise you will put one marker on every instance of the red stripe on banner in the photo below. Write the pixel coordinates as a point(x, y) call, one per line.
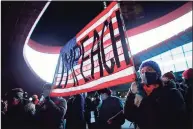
point(123, 80)
point(97, 18)
point(97, 74)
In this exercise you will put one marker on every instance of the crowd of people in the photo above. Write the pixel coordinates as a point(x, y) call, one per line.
point(154, 101)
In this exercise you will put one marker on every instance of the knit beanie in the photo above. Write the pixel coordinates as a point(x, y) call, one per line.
point(105, 90)
point(188, 74)
point(17, 92)
point(153, 65)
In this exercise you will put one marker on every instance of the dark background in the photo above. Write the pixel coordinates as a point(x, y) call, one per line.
point(63, 20)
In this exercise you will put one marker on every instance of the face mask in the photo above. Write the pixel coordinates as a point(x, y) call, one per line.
point(149, 78)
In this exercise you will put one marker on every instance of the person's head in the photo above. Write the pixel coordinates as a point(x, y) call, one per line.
point(35, 99)
point(150, 73)
point(96, 95)
point(188, 76)
point(15, 96)
point(104, 93)
point(30, 108)
point(169, 76)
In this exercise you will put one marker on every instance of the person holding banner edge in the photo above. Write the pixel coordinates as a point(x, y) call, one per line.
point(150, 105)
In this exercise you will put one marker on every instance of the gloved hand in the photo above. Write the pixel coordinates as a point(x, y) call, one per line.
point(138, 99)
point(134, 88)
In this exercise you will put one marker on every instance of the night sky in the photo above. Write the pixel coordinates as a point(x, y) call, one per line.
point(63, 20)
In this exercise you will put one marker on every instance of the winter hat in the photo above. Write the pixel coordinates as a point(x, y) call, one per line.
point(188, 74)
point(34, 97)
point(17, 92)
point(105, 90)
point(170, 76)
point(153, 65)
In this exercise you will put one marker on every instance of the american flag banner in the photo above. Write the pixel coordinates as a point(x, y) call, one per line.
point(97, 57)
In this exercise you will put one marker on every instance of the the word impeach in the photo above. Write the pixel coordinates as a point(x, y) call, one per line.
point(77, 53)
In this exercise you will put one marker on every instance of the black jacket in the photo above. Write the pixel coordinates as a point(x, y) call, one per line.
point(75, 113)
point(109, 108)
point(51, 115)
point(14, 117)
point(88, 109)
point(188, 101)
point(164, 108)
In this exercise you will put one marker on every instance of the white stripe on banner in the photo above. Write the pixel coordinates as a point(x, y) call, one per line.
point(100, 21)
point(106, 79)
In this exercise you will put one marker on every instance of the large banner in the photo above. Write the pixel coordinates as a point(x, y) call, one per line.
point(98, 57)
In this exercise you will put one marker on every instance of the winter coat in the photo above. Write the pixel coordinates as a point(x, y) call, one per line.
point(188, 101)
point(164, 108)
point(88, 108)
point(75, 113)
point(51, 115)
point(14, 117)
point(181, 88)
point(109, 108)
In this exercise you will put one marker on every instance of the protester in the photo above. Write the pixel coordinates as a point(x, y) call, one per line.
point(35, 99)
point(29, 114)
point(3, 107)
point(111, 105)
point(75, 114)
point(14, 118)
point(52, 115)
point(154, 106)
point(170, 76)
point(96, 103)
point(188, 80)
point(154, 103)
point(3, 112)
point(88, 109)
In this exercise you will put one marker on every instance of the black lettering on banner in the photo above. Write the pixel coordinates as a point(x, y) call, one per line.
point(122, 36)
point(83, 58)
point(77, 49)
point(113, 39)
point(71, 66)
point(59, 84)
point(65, 60)
point(96, 52)
point(108, 69)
